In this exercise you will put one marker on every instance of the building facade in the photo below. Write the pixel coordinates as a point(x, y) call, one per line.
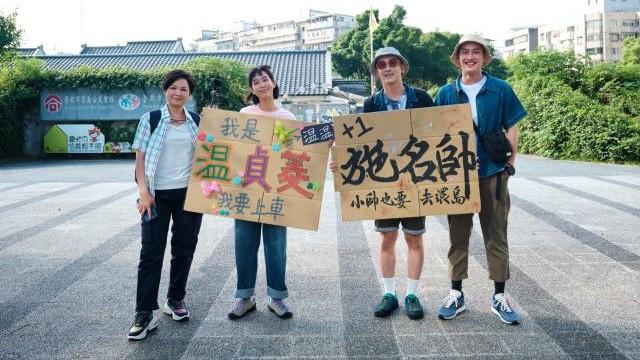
point(318, 32)
point(599, 32)
point(522, 41)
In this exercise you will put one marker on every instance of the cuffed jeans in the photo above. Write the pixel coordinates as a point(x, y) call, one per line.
point(493, 221)
point(247, 243)
point(184, 237)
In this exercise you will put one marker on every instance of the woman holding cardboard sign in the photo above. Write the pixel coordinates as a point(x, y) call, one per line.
point(263, 93)
point(164, 144)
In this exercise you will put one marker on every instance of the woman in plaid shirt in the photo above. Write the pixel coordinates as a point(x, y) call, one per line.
point(163, 165)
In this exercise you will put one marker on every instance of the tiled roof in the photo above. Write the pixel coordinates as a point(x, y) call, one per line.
point(297, 72)
point(358, 87)
point(136, 47)
point(31, 51)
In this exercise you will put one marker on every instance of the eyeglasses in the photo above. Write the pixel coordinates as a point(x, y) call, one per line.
point(381, 64)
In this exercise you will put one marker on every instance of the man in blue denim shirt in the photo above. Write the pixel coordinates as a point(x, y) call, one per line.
point(494, 105)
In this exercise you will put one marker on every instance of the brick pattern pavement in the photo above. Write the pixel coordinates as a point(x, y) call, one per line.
point(69, 251)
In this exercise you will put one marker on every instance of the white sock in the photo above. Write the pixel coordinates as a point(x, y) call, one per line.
point(412, 286)
point(389, 285)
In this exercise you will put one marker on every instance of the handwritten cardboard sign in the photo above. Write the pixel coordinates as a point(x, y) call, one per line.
point(256, 168)
point(406, 163)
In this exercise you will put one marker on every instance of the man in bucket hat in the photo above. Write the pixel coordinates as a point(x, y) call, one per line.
point(389, 66)
point(494, 105)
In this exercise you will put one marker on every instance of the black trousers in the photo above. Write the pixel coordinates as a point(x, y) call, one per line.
point(184, 237)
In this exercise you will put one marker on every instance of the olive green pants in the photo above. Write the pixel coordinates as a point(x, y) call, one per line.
point(493, 221)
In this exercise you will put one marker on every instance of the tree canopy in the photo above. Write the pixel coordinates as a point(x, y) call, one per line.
point(10, 34)
point(427, 53)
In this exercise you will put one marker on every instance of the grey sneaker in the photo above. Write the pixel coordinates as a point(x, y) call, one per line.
point(242, 307)
point(278, 307)
point(177, 310)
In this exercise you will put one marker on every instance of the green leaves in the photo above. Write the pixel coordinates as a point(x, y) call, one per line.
point(578, 111)
point(9, 33)
point(21, 81)
point(631, 51)
point(427, 53)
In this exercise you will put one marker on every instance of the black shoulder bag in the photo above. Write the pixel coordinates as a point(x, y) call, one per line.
point(496, 144)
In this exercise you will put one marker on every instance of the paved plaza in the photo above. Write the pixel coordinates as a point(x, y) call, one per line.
point(69, 247)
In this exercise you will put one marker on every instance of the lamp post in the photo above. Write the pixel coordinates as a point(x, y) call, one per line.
point(215, 94)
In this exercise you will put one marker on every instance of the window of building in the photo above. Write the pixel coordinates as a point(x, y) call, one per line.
point(594, 37)
point(614, 37)
point(594, 24)
point(594, 51)
point(615, 51)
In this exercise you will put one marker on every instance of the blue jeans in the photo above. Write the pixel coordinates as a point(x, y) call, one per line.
point(247, 243)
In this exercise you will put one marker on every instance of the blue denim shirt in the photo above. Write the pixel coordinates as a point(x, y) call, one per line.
point(412, 101)
point(498, 107)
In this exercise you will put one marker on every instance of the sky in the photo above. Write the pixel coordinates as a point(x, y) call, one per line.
point(63, 25)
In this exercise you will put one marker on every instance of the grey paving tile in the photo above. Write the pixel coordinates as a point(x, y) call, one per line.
point(370, 346)
point(265, 346)
point(317, 346)
point(425, 345)
point(224, 347)
point(480, 344)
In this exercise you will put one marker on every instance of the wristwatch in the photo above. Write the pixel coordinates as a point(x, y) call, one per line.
point(510, 169)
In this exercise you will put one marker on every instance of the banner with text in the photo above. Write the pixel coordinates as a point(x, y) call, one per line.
point(256, 168)
point(406, 163)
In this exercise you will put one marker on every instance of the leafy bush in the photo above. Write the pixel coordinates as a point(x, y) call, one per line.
point(21, 81)
point(590, 117)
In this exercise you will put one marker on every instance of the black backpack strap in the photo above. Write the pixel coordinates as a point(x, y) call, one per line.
point(196, 117)
point(368, 105)
point(154, 120)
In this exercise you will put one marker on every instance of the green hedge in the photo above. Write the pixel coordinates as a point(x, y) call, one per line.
point(21, 81)
point(577, 111)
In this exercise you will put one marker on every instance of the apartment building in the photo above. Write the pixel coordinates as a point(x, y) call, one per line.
point(598, 32)
point(317, 32)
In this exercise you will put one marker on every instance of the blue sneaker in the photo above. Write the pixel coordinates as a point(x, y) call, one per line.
point(453, 305)
point(501, 307)
point(387, 306)
point(413, 308)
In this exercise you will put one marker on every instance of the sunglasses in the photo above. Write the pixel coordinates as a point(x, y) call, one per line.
point(381, 64)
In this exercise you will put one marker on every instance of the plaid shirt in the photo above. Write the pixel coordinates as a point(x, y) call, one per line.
point(152, 144)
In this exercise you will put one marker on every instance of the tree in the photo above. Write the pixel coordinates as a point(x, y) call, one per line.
point(631, 51)
point(9, 33)
point(428, 54)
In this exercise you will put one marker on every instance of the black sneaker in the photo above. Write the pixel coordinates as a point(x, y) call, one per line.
point(177, 310)
point(143, 324)
point(413, 308)
point(387, 306)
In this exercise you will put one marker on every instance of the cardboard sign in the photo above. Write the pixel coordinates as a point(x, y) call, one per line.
point(317, 133)
point(406, 163)
point(255, 168)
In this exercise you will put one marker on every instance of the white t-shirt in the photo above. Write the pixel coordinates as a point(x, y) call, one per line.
point(174, 165)
point(279, 113)
point(472, 91)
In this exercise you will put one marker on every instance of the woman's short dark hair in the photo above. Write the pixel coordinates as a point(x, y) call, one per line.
point(259, 70)
point(175, 75)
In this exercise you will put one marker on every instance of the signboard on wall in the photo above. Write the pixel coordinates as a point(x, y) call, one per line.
point(97, 105)
point(74, 139)
point(256, 168)
point(406, 163)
